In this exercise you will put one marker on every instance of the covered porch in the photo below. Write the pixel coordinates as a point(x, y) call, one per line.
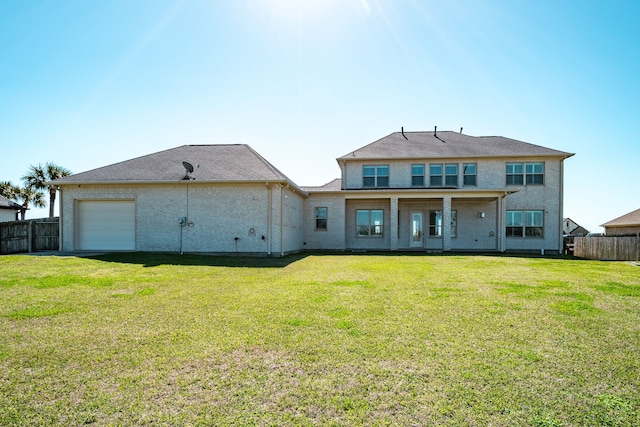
point(419, 220)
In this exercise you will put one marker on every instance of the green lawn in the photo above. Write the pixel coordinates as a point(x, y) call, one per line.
point(144, 339)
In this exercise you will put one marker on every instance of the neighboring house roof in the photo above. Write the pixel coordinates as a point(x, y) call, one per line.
point(8, 204)
point(212, 163)
point(630, 219)
point(574, 229)
point(447, 144)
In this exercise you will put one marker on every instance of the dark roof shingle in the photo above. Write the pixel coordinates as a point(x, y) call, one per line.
point(231, 162)
point(335, 185)
point(447, 144)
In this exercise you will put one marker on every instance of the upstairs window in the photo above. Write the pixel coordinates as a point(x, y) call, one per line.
point(534, 173)
point(515, 174)
point(435, 175)
point(469, 174)
point(369, 223)
point(417, 175)
point(375, 176)
point(321, 218)
point(525, 173)
point(451, 175)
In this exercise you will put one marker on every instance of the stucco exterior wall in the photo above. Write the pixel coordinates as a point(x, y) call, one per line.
point(333, 238)
point(370, 242)
point(475, 232)
point(7, 215)
point(490, 174)
point(622, 231)
point(221, 217)
point(293, 230)
point(545, 197)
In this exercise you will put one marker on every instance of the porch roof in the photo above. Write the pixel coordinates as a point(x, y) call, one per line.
point(415, 193)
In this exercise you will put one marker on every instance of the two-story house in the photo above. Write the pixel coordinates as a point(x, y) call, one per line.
point(441, 191)
point(419, 191)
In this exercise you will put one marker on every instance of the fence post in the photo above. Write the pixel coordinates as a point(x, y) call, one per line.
point(30, 236)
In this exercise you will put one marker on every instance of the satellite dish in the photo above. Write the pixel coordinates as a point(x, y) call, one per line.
point(188, 167)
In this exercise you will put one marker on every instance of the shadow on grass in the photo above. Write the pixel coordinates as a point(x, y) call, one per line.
point(150, 259)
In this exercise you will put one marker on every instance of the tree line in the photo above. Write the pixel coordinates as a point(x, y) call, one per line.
point(36, 183)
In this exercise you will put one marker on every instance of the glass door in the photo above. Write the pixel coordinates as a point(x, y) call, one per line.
point(417, 234)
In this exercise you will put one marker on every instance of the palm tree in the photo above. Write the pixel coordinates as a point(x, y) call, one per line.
point(30, 196)
point(39, 178)
point(23, 196)
point(8, 190)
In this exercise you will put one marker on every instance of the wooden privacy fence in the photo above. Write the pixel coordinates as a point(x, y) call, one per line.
point(621, 248)
point(29, 236)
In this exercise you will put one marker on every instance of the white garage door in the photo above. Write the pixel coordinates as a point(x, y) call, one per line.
point(106, 225)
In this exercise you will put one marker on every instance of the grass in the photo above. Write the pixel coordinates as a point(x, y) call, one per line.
point(147, 339)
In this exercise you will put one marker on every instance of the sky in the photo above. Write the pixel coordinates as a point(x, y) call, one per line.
point(85, 84)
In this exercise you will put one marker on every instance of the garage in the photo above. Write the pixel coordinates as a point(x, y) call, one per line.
point(106, 225)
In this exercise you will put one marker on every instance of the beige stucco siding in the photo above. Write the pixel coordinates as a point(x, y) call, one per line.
point(490, 174)
point(371, 242)
point(545, 197)
point(220, 217)
point(622, 231)
point(7, 215)
point(333, 237)
point(292, 229)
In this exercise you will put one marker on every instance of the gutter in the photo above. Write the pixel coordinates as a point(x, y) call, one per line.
point(289, 184)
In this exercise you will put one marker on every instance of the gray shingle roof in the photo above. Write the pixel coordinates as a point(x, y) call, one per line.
point(335, 185)
point(447, 144)
point(232, 162)
point(8, 204)
point(632, 218)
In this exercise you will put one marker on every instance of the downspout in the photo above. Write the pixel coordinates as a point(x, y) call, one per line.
point(281, 219)
point(269, 218)
point(561, 210)
point(60, 220)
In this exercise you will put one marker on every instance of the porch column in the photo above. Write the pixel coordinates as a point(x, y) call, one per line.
point(446, 223)
point(393, 224)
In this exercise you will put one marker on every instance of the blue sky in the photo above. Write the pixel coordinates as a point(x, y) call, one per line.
point(89, 83)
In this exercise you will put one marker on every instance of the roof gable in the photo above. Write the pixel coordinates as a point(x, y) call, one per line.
point(632, 218)
point(447, 144)
point(8, 204)
point(230, 162)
